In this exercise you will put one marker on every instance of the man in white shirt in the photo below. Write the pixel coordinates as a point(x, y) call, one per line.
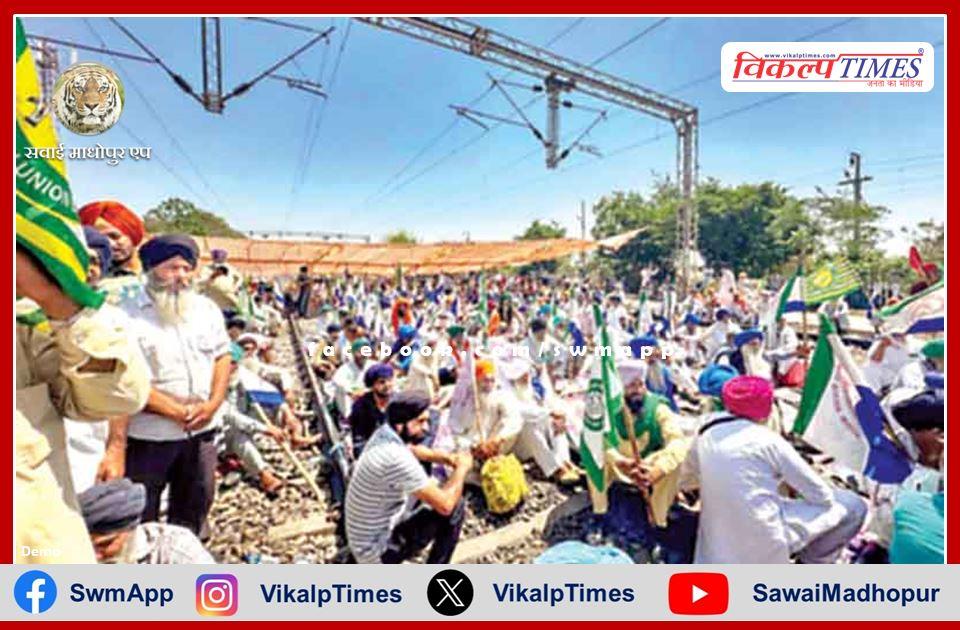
point(182, 336)
point(740, 465)
point(348, 379)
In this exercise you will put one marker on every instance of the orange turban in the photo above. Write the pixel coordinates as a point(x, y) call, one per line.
point(116, 214)
point(484, 368)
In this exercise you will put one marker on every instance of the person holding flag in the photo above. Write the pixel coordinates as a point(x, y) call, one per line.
point(85, 365)
point(631, 435)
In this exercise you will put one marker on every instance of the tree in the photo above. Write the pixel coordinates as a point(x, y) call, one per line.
point(853, 229)
point(400, 237)
point(756, 228)
point(655, 217)
point(538, 230)
point(181, 216)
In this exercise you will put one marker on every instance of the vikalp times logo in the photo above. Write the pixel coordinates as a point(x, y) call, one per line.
point(217, 595)
point(827, 67)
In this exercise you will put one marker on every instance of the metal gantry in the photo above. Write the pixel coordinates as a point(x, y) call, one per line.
point(562, 74)
point(212, 95)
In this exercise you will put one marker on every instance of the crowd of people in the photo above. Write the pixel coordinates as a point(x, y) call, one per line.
point(127, 413)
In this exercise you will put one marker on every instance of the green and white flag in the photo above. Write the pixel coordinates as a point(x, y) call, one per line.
point(842, 416)
point(833, 280)
point(46, 224)
point(603, 411)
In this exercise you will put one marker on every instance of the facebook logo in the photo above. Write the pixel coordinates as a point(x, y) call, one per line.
point(35, 592)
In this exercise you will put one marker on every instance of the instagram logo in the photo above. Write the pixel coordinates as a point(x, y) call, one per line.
point(217, 595)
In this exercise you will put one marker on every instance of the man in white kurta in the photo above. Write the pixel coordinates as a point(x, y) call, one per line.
point(740, 464)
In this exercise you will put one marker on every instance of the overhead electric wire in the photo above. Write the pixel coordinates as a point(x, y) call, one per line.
point(179, 80)
point(174, 142)
point(629, 42)
point(168, 168)
point(456, 121)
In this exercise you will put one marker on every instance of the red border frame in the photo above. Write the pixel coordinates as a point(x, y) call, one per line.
point(834, 7)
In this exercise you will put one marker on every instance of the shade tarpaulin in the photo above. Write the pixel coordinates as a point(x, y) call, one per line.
point(274, 257)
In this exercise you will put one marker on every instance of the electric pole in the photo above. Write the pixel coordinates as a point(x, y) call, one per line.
point(855, 178)
point(582, 216)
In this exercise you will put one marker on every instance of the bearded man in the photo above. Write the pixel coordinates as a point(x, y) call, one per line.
point(122, 227)
point(183, 338)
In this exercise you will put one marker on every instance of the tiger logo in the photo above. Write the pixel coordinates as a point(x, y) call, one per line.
point(88, 98)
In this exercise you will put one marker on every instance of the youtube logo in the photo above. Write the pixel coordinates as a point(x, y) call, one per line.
point(698, 593)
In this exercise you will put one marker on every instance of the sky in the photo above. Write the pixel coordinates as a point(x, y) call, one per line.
point(385, 151)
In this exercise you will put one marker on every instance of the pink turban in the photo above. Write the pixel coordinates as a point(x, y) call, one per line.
point(748, 397)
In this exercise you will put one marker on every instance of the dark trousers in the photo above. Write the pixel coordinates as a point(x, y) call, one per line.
point(411, 536)
point(187, 466)
point(303, 301)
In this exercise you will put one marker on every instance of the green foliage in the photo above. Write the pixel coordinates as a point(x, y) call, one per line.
point(538, 231)
point(855, 231)
point(400, 237)
point(177, 215)
point(928, 237)
point(754, 228)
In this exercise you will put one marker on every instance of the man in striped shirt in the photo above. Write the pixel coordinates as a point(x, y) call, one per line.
point(393, 509)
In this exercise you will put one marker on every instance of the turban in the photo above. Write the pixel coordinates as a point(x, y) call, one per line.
point(114, 506)
point(747, 336)
point(713, 378)
point(334, 328)
point(358, 343)
point(632, 370)
point(515, 370)
point(639, 342)
point(484, 368)
point(455, 330)
point(100, 245)
point(537, 325)
point(933, 349)
point(160, 249)
point(691, 319)
point(407, 405)
point(237, 322)
point(923, 411)
point(407, 332)
point(721, 312)
point(219, 255)
point(117, 215)
point(376, 372)
point(748, 397)
point(934, 380)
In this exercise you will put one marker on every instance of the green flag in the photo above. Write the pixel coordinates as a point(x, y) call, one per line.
point(47, 226)
point(603, 411)
point(833, 280)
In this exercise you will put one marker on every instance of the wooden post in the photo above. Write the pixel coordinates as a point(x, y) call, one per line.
point(290, 454)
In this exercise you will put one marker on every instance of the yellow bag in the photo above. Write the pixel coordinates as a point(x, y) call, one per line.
point(503, 482)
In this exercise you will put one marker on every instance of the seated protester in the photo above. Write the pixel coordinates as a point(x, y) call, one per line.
point(393, 508)
point(112, 513)
point(740, 465)
point(659, 378)
point(498, 423)
point(544, 349)
point(689, 339)
point(918, 511)
point(370, 410)
point(262, 366)
point(717, 336)
point(223, 289)
point(788, 370)
point(543, 437)
point(348, 379)
point(885, 358)
point(424, 372)
point(710, 385)
point(406, 338)
point(238, 431)
point(913, 374)
point(748, 357)
point(660, 439)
